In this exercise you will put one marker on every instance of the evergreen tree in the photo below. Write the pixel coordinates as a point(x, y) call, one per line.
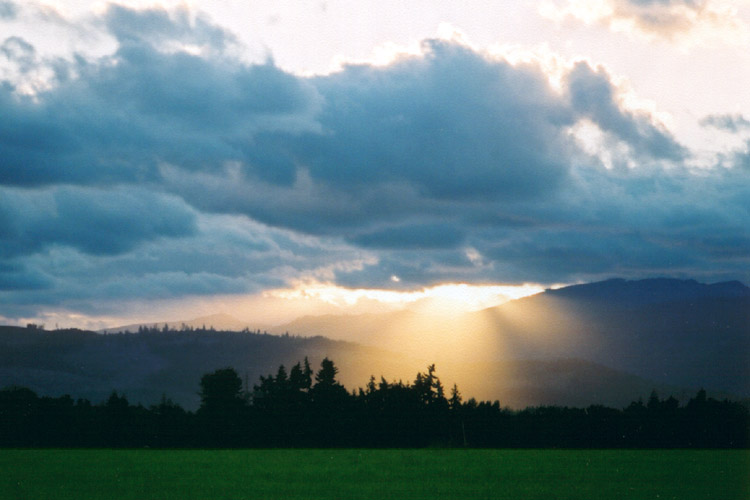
point(455, 401)
point(223, 408)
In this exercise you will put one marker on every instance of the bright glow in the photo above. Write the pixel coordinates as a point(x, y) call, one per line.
point(446, 303)
point(456, 297)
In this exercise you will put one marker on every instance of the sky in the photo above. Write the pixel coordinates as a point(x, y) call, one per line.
point(165, 160)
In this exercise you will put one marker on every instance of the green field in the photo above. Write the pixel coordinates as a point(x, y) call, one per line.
point(373, 474)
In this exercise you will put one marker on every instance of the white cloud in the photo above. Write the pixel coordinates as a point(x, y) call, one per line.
point(687, 22)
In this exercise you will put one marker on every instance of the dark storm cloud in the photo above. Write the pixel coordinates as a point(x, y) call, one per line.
point(421, 236)
point(448, 130)
point(450, 123)
point(451, 150)
point(652, 222)
point(227, 255)
point(741, 158)
point(593, 95)
point(15, 277)
point(98, 222)
point(164, 173)
point(125, 114)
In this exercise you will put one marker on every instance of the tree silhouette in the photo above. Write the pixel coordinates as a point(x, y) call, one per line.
point(332, 409)
point(301, 378)
point(288, 410)
point(326, 376)
point(221, 389)
point(223, 407)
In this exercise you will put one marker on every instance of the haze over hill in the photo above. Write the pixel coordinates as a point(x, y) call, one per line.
point(675, 331)
point(219, 321)
point(609, 342)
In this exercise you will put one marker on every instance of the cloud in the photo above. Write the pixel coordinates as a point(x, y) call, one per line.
point(635, 224)
point(18, 50)
point(607, 223)
point(593, 96)
point(170, 168)
point(224, 256)
point(738, 126)
point(741, 158)
point(685, 21)
point(664, 16)
point(433, 135)
point(420, 236)
point(8, 10)
point(160, 27)
point(729, 122)
point(94, 221)
point(124, 114)
point(15, 277)
point(450, 122)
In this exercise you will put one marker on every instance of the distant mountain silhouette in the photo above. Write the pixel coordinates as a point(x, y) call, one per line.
point(147, 366)
point(674, 331)
point(651, 291)
point(220, 321)
point(607, 343)
point(677, 332)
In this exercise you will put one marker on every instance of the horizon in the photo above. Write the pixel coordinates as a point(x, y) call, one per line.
point(573, 344)
point(172, 159)
point(437, 302)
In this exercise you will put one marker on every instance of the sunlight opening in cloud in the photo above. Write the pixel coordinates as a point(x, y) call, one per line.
point(382, 55)
point(592, 141)
point(445, 299)
point(388, 53)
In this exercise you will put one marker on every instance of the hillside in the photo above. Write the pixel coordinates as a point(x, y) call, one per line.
point(603, 343)
point(220, 322)
point(676, 332)
point(147, 366)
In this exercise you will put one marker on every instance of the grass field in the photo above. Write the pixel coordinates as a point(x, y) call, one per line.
point(373, 474)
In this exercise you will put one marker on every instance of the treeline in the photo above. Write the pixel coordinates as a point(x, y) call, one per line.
point(166, 328)
point(300, 408)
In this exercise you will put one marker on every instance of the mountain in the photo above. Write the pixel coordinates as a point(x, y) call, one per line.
point(651, 291)
point(676, 332)
point(147, 366)
point(607, 343)
point(220, 321)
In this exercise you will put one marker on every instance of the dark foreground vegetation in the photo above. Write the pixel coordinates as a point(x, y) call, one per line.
point(300, 408)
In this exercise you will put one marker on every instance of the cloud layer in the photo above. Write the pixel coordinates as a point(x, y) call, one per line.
point(685, 21)
point(170, 167)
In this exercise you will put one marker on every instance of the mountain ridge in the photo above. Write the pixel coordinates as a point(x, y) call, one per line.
point(145, 367)
point(679, 332)
point(682, 336)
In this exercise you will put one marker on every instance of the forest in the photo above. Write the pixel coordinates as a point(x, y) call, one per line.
point(301, 407)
